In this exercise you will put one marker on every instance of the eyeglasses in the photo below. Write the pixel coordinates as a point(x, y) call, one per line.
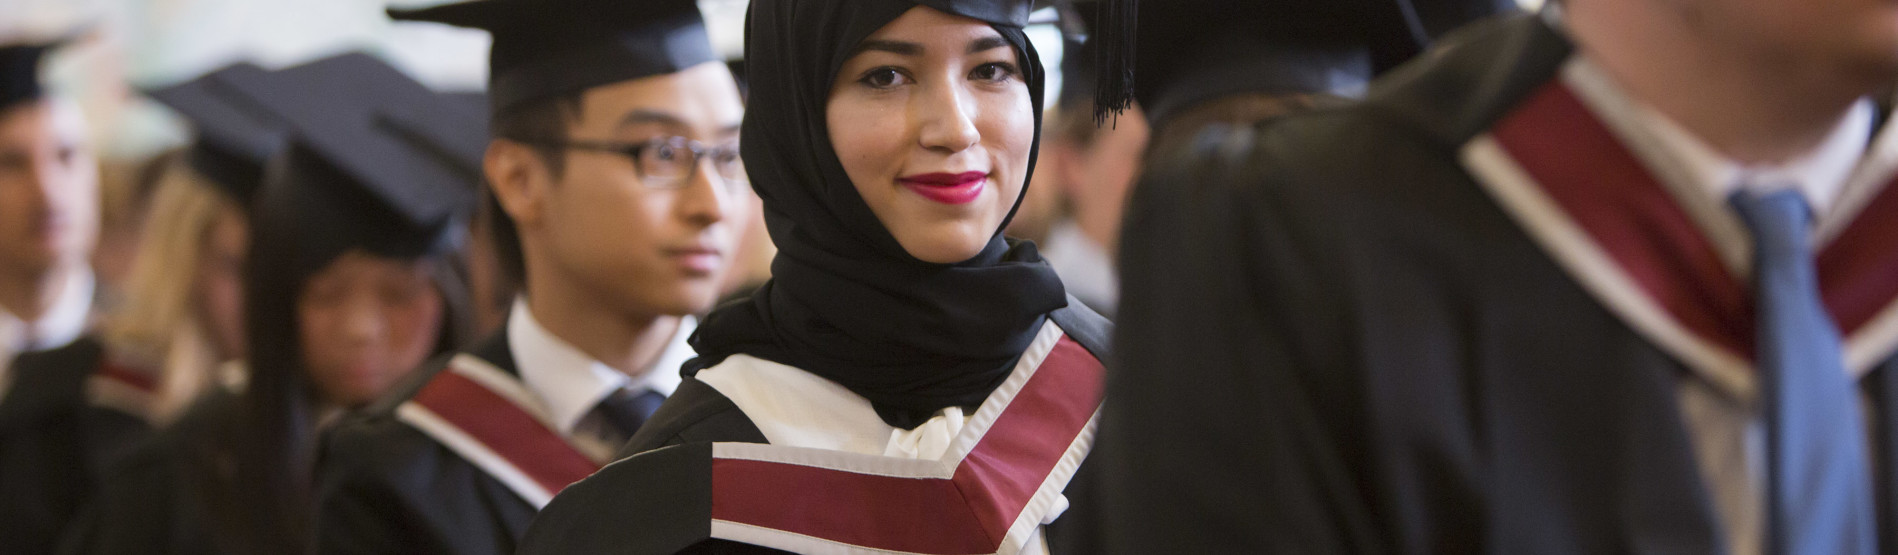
point(667, 163)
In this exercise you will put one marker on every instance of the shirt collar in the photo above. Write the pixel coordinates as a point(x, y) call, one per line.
point(569, 382)
point(1821, 174)
point(67, 320)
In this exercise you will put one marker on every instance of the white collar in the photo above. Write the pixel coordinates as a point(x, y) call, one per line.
point(570, 383)
point(1821, 173)
point(1084, 266)
point(63, 323)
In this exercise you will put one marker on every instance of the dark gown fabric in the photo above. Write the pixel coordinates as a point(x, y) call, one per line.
point(55, 446)
point(1334, 341)
point(159, 499)
point(384, 486)
point(644, 503)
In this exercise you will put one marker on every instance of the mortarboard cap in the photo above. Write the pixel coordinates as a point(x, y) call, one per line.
point(20, 68)
point(375, 160)
point(1196, 50)
point(236, 134)
point(551, 47)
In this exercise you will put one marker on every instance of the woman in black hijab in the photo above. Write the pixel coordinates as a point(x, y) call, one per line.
point(909, 380)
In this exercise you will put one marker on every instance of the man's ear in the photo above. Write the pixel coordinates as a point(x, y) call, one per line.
point(520, 179)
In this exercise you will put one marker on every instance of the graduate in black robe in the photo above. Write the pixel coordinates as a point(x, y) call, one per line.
point(1360, 331)
point(809, 420)
point(459, 460)
point(56, 438)
point(375, 165)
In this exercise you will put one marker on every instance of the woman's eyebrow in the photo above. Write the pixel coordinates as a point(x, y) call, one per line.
point(899, 48)
point(985, 44)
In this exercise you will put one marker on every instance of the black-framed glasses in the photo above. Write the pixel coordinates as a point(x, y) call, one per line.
point(667, 163)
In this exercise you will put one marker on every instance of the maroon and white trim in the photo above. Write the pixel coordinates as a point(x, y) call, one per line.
point(490, 418)
point(1592, 204)
point(122, 388)
point(989, 493)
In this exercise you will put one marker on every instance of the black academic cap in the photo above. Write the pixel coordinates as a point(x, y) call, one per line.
point(551, 47)
point(1196, 50)
point(20, 70)
point(375, 161)
point(236, 134)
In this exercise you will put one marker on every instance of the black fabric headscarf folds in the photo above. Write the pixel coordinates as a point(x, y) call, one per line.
point(846, 301)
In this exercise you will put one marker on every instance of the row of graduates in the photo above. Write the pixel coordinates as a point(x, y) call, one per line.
point(1472, 312)
point(308, 362)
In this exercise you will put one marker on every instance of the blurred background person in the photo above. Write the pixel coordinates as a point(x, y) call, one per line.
point(347, 290)
point(182, 310)
point(54, 443)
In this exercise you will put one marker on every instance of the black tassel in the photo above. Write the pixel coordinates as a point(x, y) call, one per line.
point(1114, 51)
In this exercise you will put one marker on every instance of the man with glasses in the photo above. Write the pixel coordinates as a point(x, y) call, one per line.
point(615, 186)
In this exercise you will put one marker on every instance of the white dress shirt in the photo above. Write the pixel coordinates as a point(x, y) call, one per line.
point(571, 384)
point(796, 408)
point(61, 325)
point(1728, 433)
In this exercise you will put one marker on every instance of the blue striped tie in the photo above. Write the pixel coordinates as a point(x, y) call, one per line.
point(1819, 494)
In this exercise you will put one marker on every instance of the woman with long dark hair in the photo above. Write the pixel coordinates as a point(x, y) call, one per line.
point(348, 289)
point(909, 380)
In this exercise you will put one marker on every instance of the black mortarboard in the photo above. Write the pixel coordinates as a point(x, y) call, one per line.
point(236, 134)
point(375, 161)
point(1197, 50)
point(551, 47)
point(20, 70)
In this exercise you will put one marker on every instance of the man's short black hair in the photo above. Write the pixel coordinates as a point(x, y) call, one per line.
point(535, 123)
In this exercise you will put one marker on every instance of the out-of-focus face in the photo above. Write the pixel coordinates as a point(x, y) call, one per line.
point(1859, 37)
point(933, 121)
point(49, 187)
point(644, 248)
point(1099, 176)
point(220, 282)
point(366, 321)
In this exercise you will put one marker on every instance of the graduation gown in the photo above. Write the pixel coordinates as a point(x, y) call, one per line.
point(1349, 332)
point(386, 486)
point(57, 439)
point(657, 499)
point(160, 498)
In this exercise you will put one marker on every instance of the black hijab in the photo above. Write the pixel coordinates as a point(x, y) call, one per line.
point(846, 301)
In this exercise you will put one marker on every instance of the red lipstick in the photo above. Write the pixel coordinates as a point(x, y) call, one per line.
point(947, 188)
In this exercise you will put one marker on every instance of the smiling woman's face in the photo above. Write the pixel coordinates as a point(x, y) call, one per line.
point(933, 122)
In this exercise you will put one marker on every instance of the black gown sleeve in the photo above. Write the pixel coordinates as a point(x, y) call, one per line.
point(153, 500)
point(384, 487)
point(358, 511)
point(662, 483)
point(1228, 389)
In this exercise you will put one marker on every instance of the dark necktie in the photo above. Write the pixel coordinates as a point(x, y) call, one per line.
point(1818, 483)
point(626, 411)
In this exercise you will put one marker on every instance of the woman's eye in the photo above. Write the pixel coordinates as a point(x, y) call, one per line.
point(883, 78)
point(994, 72)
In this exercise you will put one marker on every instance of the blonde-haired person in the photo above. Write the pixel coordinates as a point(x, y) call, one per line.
point(183, 310)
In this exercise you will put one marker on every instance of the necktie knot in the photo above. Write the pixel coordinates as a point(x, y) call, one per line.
point(1780, 219)
point(626, 411)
